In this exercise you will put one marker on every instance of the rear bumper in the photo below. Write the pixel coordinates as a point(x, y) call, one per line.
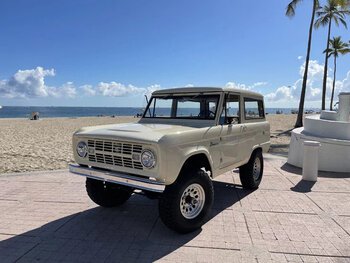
point(118, 178)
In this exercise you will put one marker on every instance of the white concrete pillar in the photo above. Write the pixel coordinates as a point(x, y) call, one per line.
point(310, 161)
point(344, 106)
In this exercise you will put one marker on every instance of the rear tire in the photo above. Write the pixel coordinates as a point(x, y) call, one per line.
point(107, 194)
point(185, 205)
point(252, 172)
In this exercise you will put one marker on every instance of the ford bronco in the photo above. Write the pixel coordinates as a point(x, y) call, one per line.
point(185, 138)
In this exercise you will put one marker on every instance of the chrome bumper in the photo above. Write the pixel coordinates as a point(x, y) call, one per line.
point(118, 178)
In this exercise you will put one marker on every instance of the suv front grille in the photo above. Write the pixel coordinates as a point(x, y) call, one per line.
point(115, 153)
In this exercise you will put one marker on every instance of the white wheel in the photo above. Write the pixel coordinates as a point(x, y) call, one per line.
point(184, 206)
point(192, 201)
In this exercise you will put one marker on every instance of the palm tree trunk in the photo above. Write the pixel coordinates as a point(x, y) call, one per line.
point(325, 70)
point(299, 122)
point(333, 88)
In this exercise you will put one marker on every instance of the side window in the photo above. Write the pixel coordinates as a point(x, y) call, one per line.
point(187, 108)
point(231, 111)
point(253, 109)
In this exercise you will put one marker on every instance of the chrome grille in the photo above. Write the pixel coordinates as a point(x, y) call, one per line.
point(114, 153)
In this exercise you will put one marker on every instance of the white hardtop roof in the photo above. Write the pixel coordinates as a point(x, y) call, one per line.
point(204, 90)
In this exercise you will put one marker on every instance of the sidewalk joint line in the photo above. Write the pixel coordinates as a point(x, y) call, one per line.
point(37, 244)
point(306, 194)
point(305, 254)
point(286, 212)
point(59, 202)
point(11, 200)
point(153, 226)
point(215, 248)
point(335, 221)
point(70, 219)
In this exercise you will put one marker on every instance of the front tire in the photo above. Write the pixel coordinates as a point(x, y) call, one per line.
point(252, 172)
point(107, 194)
point(185, 205)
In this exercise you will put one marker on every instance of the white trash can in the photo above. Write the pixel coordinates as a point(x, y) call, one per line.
point(310, 161)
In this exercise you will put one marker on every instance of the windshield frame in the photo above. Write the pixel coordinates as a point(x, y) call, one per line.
point(175, 98)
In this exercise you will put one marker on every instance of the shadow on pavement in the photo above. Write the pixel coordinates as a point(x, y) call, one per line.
point(296, 170)
point(303, 186)
point(131, 232)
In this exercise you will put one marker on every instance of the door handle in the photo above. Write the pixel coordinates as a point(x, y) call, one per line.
point(214, 143)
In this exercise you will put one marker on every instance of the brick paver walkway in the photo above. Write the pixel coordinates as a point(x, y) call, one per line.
point(47, 217)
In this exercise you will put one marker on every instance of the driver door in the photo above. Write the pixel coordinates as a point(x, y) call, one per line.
point(231, 130)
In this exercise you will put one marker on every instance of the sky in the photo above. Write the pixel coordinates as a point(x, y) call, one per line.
point(112, 53)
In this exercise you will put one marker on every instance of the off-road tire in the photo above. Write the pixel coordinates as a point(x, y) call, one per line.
point(107, 194)
point(252, 172)
point(170, 203)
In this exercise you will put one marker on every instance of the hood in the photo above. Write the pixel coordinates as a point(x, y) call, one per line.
point(132, 131)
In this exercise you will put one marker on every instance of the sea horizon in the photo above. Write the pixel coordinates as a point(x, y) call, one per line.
point(81, 111)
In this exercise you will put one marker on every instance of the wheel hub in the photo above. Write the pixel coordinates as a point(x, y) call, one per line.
point(192, 201)
point(256, 169)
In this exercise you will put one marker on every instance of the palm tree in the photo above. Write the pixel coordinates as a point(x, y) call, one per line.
point(291, 12)
point(334, 10)
point(337, 46)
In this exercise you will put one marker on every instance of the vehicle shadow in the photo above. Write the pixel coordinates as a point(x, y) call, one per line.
point(131, 232)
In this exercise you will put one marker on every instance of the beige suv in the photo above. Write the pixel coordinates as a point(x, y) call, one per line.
point(185, 138)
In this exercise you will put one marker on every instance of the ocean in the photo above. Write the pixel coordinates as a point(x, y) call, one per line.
point(73, 112)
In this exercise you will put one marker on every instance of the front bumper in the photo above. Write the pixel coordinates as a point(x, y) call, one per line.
point(118, 178)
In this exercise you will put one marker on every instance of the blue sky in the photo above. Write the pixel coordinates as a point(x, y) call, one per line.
point(109, 53)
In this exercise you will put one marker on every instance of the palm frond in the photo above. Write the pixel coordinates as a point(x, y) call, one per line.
point(343, 22)
point(335, 19)
point(336, 47)
point(290, 10)
point(344, 51)
point(321, 13)
point(322, 21)
point(335, 10)
point(344, 3)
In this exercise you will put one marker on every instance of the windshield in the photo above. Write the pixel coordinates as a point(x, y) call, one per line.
point(183, 107)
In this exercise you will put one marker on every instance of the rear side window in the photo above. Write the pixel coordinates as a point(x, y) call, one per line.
point(253, 109)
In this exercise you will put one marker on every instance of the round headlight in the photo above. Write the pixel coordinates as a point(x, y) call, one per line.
point(148, 159)
point(82, 149)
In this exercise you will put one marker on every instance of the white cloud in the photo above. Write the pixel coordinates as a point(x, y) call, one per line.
point(237, 86)
point(300, 57)
point(315, 71)
point(313, 88)
point(258, 84)
point(151, 89)
point(26, 83)
point(244, 86)
point(66, 90)
point(88, 90)
point(282, 93)
point(31, 84)
point(344, 85)
point(114, 89)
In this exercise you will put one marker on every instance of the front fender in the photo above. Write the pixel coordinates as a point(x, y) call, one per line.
point(176, 158)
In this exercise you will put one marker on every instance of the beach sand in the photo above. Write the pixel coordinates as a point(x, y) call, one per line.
point(46, 144)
